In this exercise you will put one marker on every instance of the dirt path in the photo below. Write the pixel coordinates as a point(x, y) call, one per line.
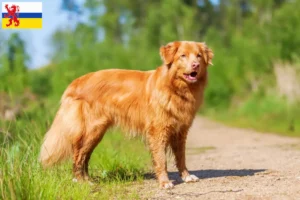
point(235, 164)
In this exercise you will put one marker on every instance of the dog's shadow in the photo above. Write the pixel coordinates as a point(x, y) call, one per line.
point(174, 176)
point(210, 173)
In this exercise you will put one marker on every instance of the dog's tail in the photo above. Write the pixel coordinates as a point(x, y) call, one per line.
point(67, 127)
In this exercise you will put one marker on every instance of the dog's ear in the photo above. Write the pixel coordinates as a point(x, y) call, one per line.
point(168, 52)
point(209, 56)
point(208, 53)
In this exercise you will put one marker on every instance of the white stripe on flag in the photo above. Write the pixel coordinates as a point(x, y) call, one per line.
point(25, 7)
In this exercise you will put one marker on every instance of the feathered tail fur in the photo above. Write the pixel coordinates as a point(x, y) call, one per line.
point(67, 127)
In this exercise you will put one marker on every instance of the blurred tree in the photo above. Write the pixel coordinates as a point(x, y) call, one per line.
point(17, 56)
point(72, 7)
point(241, 32)
point(285, 28)
point(14, 64)
point(206, 14)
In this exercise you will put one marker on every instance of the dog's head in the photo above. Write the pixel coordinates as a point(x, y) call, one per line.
point(187, 60)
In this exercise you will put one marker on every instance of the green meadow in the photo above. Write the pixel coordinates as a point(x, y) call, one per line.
point(116, 163)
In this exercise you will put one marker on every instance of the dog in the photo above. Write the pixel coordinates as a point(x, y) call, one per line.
point(158, 104)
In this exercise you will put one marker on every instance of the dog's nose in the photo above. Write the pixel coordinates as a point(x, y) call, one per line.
point(195, 65)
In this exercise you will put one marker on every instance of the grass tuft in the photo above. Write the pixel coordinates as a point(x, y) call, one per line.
point(115, 163)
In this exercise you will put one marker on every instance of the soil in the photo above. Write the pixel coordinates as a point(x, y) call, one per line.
point(233, 163)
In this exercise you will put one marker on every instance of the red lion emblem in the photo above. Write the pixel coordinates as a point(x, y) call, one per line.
point(12, 14)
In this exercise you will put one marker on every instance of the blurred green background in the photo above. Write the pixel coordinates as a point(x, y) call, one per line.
point(254, 83)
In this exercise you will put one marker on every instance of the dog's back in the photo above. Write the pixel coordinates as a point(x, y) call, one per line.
point(119, 95)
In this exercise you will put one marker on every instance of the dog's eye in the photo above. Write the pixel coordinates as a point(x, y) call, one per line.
point(199, 55)
point(182, 56)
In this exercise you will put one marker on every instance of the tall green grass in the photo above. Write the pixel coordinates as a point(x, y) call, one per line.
point(116, 162)
point(266, 114)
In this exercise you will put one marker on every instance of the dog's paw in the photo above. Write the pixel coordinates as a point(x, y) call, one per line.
point(167, 185)
point(190, 178)
point(75, 180)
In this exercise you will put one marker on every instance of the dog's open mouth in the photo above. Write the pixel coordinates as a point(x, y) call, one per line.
point(191, 77)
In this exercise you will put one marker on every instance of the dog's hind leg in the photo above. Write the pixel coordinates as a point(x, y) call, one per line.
point(77, 168)
point(92, 137)
point(90, 143)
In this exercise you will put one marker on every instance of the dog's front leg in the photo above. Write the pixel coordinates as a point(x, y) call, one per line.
point(177, 143)
point(158, 145)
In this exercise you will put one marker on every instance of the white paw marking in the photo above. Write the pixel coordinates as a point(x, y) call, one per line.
point(75, 180)
point(190, 178)
point(168, 185)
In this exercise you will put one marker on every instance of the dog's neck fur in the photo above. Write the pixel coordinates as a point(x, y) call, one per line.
point(175, 91)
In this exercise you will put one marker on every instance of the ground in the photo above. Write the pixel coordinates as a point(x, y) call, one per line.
point(234, 163)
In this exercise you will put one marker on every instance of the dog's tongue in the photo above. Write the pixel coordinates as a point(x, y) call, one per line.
point(190, 77)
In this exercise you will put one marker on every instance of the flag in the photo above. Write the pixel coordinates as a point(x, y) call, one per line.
point(22, 15)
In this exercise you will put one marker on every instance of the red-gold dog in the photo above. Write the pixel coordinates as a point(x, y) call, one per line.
point(160, 104)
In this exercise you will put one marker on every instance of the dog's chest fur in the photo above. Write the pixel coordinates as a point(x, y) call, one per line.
point(175, 111)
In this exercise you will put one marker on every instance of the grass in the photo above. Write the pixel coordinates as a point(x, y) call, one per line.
point(268, 114)
point(115, 164)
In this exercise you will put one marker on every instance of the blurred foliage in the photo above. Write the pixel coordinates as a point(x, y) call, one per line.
point(13, 70)
point(247, 37)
